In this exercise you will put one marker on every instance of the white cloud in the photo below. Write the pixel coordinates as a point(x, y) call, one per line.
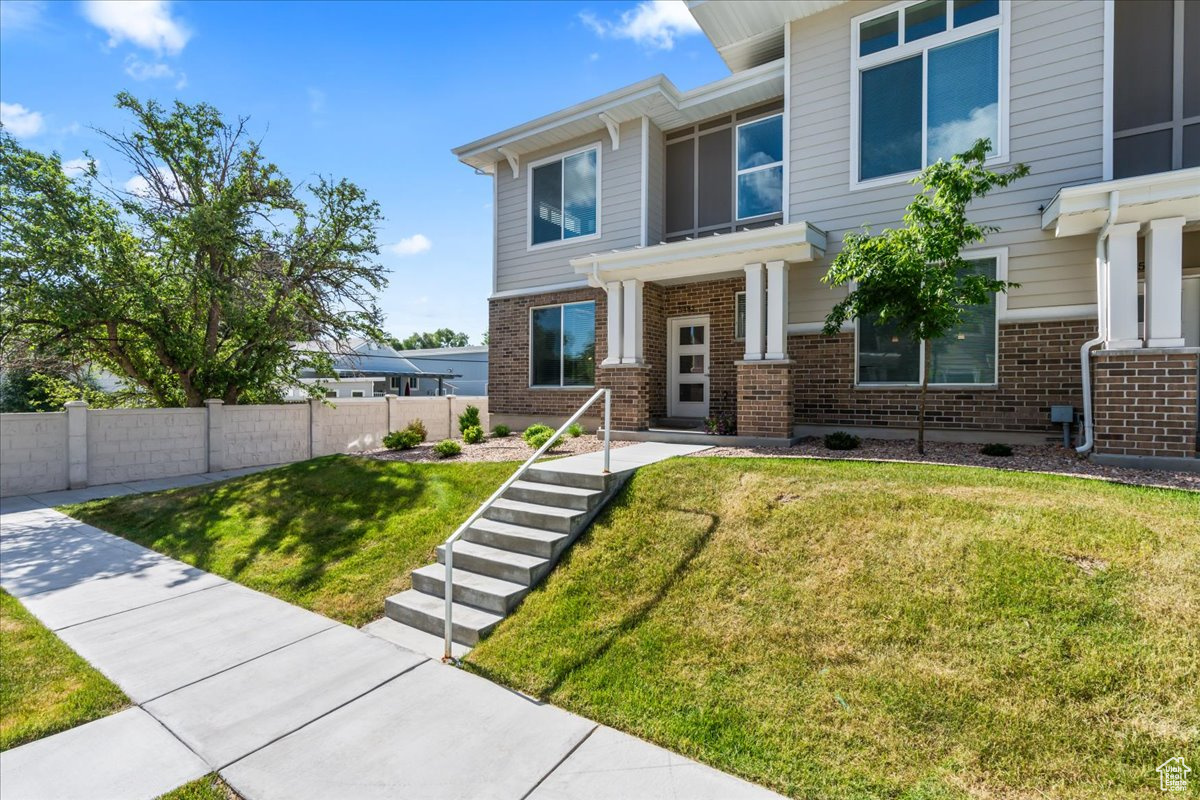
point(140, 187)
point(144, 70)
point(77, 167)
point(146, 23)
point(410, 245)
point(654, 24)
point(951, 138)
point(21, 15)
point(19, 120)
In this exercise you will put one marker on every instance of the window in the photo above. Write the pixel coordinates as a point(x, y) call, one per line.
point(562, 348)
point(331, 393)
point(928, 82)
point(739, 316)
point(760, 167)
point(1156, 87)
point(414, 383)
point(357, 393)
point(967, 355)
point(564, 197)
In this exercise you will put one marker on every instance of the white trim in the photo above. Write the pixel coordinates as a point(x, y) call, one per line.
point(1051, 313)
point(514, 161)
point(562, 157)
point(1001, 301)
point(922, 46)
point(560, 307)
point(787, 123)
point(645, 202)
point(495, 230)
point(739, 172)
point(543, 289)
point(803, 328)
point(614, 129)
point(1106, 114)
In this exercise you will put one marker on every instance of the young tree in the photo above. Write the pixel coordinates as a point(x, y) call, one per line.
point(914, 278)
point(196, 280)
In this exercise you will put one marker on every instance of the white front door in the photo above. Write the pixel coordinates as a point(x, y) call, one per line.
point(687, 366)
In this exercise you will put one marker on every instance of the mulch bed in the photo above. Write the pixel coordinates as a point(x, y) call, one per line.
point(508, 448)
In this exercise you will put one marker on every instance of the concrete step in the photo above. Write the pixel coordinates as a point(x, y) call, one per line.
point(428, 613)
point(416, 640)
point(546, 473)
point(496, 563)
point(517, 538)
point(471, 588)
point(550, 494)
point(535, 515)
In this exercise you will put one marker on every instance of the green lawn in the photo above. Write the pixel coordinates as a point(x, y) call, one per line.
point(210, 787)
point(850, 629)
point(44, 686)
point(336, 534)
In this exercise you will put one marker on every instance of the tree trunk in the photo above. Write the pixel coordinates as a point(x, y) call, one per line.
point(921, 404)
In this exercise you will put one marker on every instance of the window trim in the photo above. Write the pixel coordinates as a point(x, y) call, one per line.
point(561, 386)
point(921, 46)
point(541, 162)
point(1001, 301)
point(738, 173)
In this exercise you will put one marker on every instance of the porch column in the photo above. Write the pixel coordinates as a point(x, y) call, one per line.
point(1121, 287)
point(613, 289)
point(631, 348)
point(754, 312)
point(777, 310)
point(1164, 283)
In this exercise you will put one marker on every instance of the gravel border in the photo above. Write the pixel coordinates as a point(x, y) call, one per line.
point(508, 448)
point(1049, 459)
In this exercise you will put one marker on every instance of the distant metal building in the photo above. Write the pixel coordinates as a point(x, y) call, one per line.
point(470, 365)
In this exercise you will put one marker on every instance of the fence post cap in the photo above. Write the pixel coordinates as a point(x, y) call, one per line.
point(214, 402)
point(75, 404)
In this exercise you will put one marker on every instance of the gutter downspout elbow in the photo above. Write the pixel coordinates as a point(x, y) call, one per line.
point(1089, 429)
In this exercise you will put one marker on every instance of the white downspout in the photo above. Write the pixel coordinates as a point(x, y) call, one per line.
point(1089, 441)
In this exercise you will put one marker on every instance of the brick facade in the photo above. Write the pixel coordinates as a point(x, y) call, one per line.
point(1145, 402)
point(716, 299)
point(764, 399)
point(1039, 367)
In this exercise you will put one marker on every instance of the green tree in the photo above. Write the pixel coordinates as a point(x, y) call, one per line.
point(442, 337)
point(914, 278)
point(199, 279)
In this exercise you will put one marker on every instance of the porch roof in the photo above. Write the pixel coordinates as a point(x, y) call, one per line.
point(709, 256)
point(1083, 209)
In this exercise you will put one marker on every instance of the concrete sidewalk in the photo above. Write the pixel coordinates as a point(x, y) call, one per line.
point(285, 703)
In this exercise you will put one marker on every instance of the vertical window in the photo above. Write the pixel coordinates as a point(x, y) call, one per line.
point(760, 167)
point(928, 84)
point(563, 345)
point(739, 316)
point(967, 355)
point(563, 198)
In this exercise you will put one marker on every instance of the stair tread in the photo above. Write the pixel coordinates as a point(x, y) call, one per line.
point(495, 554)
point(512, 529)
point(537, 508)
point(555, 488)
point(464, 615)
point(473, 580)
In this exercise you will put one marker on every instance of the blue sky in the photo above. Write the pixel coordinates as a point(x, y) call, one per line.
point(375, 92)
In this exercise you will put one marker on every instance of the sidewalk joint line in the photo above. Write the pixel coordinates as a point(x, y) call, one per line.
point(135, 608)
point(561, 761)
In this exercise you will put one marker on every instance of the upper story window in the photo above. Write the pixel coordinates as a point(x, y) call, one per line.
point(927, 81)
point(1156, 86)
point(564, 197)
point(725, 174)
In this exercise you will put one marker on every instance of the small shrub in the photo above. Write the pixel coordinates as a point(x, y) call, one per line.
point(539, 432)
point(447, 448)
point(840, 440)
point(575, 430)
point(401, 440)
point(723, 424)
point(418, 427)
point(998, 449)
point(500, 431)
point(469, 419)
point(473, 435)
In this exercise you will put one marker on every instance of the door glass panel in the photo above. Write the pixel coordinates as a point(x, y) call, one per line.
point(691, 392)
point(691, 334)
point(693, 365)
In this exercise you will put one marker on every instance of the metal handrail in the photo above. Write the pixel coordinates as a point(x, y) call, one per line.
point(449, 543)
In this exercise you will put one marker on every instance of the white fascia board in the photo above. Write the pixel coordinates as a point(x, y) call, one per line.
point(1084, 209)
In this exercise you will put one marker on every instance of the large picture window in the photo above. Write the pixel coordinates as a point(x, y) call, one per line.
point(928, 78)
point(563, 197)
point(967, 355)
point(562, 347)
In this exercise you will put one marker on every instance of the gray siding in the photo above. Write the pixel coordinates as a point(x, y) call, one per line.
point(518, 267)
point(655, 229)
point(1056, 76)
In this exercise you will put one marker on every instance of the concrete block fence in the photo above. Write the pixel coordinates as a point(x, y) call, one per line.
point(77, 447)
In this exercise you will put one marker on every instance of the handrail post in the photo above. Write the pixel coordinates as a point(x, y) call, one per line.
point(448, 656)
point(607, 425)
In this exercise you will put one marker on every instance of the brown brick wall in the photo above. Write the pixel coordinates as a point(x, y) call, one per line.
point(1039, 367)
point(1145, 403)
point(764, 399)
